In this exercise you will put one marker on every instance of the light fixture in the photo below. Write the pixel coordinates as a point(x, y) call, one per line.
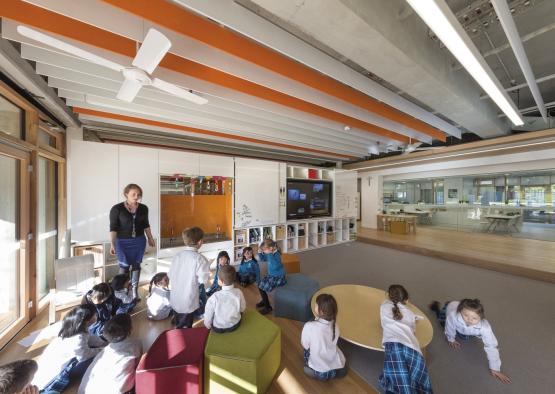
point(441, 20)
point(347, 128)
point(373, 149)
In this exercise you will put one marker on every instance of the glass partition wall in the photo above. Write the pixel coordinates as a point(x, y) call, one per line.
point(516, 204)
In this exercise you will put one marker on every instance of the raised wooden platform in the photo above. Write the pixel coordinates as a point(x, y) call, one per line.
point(517, 256)
point(290, 378)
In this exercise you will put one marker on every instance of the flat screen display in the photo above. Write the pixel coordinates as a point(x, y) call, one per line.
point(308, 199)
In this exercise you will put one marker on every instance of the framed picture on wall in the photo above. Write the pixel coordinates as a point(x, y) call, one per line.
point(452, 193)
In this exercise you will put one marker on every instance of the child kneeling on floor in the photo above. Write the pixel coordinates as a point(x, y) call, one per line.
point(224, 308)
point(323, 360)
point(249, 271)
point(404, 369)
point(113, 369)
point(464, 320)
point(158, 302)
point(274, 278)
point(105, 303)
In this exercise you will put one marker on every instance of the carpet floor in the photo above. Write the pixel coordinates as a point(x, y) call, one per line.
point(520, 310)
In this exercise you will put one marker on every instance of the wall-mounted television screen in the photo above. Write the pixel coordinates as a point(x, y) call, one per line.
point(308, 199)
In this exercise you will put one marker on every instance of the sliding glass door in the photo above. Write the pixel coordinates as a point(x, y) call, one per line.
point(13, 242)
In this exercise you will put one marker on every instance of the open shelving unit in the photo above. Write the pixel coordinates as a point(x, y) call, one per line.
point(320, 232)
point(295, 172)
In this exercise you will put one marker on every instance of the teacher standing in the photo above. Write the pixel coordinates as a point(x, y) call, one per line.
point(128, 227)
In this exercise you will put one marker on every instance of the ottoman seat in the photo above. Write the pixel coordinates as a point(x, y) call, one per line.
point(292, 301)
point(291, 263)
point(245, 360)
point(174, 363)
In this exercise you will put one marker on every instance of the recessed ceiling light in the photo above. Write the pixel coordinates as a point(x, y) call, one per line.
point(346, 128)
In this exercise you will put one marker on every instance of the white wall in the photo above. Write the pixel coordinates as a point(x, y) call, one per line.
point(371, 191)
point(345, 194)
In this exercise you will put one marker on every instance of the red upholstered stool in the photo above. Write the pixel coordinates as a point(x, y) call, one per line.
point(174, 363)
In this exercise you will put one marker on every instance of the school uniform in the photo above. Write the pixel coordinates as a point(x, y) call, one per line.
point(189, 269)
point(63, 357)
point(404, 368)
point(104, 312)
point(128, 302)
point(455, 327)
point(113, 369)
point(276, 272)
point(158, 304)
point(223, 310)
point(249, 272)
point(322, 356)
point(214, 287)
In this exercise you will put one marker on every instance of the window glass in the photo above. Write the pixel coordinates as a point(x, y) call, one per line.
point(11, 118)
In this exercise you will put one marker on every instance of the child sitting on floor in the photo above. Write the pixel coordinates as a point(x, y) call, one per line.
point(122, 291)
point(189, 269)
point(221, 260)
point(224, 308)
point(404, 369)
point(16, 377)
point(464, 320)
point(275, 276)
point(323, 360)
point(158, 302)
point(113, 369)
point(249, 271)
point(105, 303)
point(67, 357)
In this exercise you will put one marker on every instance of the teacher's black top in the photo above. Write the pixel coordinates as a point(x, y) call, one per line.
point(121, 220)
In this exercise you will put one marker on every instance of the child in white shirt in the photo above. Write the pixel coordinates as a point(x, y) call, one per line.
point(67, 357)
point(113, 369)
point(323, 359)
point(464, 320)
point(404, 369)
point(121, 284)
point(223, 310)
point(189, 269)
point(158, 302)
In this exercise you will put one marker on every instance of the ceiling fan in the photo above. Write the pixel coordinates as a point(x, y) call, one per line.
point(150, 54)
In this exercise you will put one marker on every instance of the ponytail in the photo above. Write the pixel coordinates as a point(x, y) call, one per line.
point(155, 280)
point(396, 294)
point(327, 309)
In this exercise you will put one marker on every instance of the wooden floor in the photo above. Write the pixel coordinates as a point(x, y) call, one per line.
point(290, 378)
point(517, 256)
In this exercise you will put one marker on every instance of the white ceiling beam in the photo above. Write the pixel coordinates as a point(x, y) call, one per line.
point(192, 49)
point(507, 22)
point(237, 18)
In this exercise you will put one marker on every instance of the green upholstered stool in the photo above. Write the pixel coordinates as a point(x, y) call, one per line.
point(245, 360)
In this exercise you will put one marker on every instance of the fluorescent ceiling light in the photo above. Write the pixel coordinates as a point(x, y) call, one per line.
point(440, 19)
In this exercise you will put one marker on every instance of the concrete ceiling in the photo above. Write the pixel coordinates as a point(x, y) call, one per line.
point(387, 39)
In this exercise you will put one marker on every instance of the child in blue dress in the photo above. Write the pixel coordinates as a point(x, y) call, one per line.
point(221, 260)
point(106, 305)
point(276, 274)
point(249, 271)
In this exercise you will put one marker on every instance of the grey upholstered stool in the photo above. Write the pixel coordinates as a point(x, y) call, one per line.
point(292, 301)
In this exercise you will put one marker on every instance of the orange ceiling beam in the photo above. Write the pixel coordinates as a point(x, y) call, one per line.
point(59, 24)
point(148, 122)
point(182, 21)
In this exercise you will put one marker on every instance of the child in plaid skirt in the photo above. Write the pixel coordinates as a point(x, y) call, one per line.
point(404, 370)
point(464, 320)
point(275, 276)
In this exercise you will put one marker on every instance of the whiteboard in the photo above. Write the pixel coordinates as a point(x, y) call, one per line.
point(256, 192)
point(94, 189)
point(345, 194)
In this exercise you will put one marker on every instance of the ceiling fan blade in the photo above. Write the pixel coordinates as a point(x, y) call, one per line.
point(177, 91)
point(154, 48)
point(64, 46)
point(129, 90)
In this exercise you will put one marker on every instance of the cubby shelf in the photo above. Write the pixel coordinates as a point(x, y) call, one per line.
point(301, 235)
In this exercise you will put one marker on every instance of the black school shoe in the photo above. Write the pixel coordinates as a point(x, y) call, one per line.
point(260, 304)
point(266, 310)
